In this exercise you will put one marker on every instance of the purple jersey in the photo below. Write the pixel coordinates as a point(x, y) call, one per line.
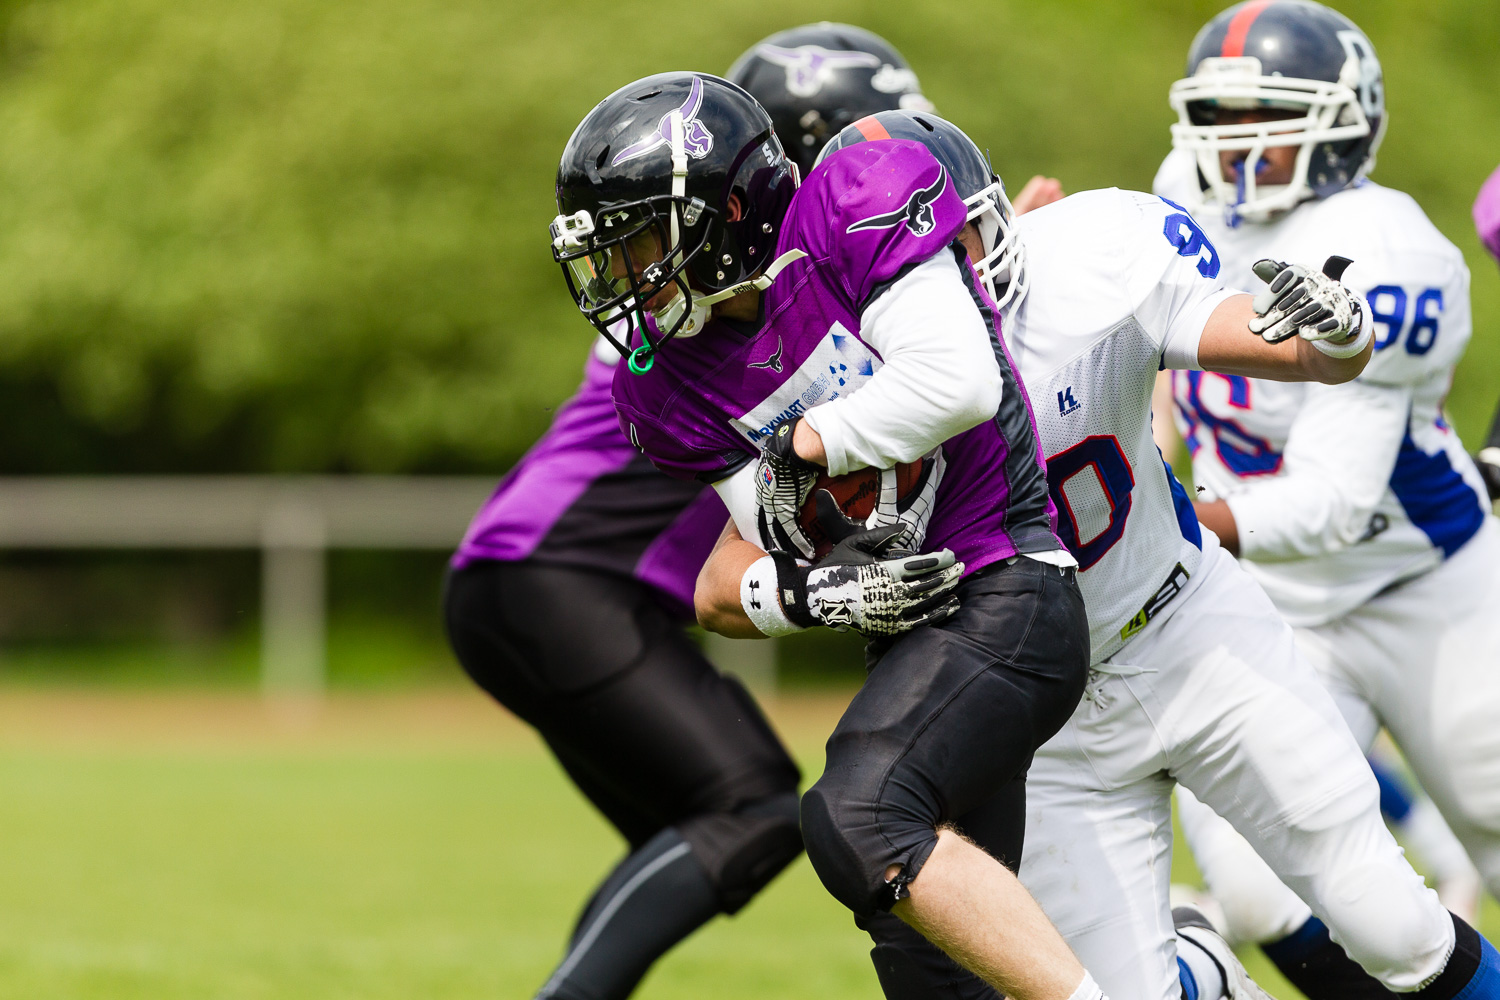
point(583, 497)
point(1487, 213)
point(864, 218)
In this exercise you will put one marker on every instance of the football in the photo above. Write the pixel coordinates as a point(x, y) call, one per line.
point(856, 493)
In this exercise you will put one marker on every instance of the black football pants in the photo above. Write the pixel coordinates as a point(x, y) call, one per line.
point(942, 733)
point(674, 754)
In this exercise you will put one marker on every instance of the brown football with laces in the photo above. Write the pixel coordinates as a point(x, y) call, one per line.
point(856, 494)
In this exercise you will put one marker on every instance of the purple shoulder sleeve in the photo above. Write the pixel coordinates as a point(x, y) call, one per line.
point(889, 205)
point(1487, 213)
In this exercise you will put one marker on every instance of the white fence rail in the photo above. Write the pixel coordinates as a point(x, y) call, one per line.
point(293, 520)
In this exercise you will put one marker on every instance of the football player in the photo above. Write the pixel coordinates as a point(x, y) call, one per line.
point(774, 339)
point(1354, 506)
point(816, 79)
point(1487, 222)
point(566, 602)
point(1189, 657)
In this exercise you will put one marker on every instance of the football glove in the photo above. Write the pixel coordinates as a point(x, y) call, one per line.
point(783, 482)
point(913, 512)
point(1300, 302)
point(868, 583)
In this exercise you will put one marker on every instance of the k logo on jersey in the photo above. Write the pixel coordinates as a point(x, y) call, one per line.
point(697, 140)
point(916, 213)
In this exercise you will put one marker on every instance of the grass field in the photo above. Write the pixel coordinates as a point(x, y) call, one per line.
point(196, 845)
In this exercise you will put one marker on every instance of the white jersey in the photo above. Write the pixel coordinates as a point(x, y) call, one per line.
point(1339, 492)
point(1121, 284)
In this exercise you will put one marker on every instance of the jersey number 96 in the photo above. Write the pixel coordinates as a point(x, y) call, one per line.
point(1388, 309)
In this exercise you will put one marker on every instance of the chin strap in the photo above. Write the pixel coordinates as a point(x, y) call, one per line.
point(702, 304)
point(678, 129)
point(757, 284)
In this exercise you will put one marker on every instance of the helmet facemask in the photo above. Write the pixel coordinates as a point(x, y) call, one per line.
point(1002, 270)
point(679, 226)
point(1331, 115)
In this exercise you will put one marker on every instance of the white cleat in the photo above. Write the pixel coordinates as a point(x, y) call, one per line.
point(1195, 927)
point(1182, 894)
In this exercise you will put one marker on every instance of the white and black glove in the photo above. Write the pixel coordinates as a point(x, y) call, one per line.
point(913, 511)
point(783, 482)
point(868, 583)
point(1300, 302)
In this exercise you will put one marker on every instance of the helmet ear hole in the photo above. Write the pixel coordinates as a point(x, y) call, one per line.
point(735, 208)
point(601, 158)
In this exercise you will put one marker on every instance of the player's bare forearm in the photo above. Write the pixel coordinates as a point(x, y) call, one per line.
point(1228, 347)
point(1217, 517)
point(808, 443)
point(716, 596)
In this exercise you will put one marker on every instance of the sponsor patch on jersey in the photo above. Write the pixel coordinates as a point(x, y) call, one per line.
point(838, 365)
point(1066, 404)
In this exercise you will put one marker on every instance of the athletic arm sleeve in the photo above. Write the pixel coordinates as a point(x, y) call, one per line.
point(1338, 460)
point(1171, 276)
point(738, 493)
point(938, 376)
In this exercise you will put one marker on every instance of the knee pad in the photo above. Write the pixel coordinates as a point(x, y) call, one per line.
point(742, 851)
point(1390, 923)
point(850, 850)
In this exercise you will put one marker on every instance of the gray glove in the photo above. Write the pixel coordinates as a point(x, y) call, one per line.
point(867, 583)
point(783, 482)
point(915, 510)
point(1300, 302)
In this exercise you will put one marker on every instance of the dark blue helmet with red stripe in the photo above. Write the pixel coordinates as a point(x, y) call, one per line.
point(1002, 268)
point(816, 79)
point(1306, 61)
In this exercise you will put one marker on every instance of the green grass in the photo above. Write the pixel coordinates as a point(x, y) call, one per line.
point(180, 846)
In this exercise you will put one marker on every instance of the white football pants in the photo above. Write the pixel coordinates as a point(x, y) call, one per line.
point(1422, 659)
point(1216, 697)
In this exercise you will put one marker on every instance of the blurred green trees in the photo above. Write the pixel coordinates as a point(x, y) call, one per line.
point(310, 234)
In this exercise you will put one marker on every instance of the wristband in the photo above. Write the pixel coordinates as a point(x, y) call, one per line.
point(1350, 348)
point(758, 590)
point(791, 589)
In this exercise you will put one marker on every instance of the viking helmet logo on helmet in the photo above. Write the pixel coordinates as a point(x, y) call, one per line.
point(697, 140)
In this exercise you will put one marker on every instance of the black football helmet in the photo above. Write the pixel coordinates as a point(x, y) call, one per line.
point(816, 79)
point(1003, 267)
point(1290, 55)
point(679, 184)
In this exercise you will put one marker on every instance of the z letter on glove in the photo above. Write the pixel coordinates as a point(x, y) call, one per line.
point(1301, 302)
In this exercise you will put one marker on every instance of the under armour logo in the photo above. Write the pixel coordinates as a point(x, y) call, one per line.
point(773, 362)
point(916, 213)
point(1066, 404)
point(754, 597)
point(810, 67)
point(697, 140)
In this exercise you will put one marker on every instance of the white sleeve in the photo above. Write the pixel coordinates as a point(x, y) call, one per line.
point(1171, 275)
point(738, 493)
point(1336, 466)
point(938, 376)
